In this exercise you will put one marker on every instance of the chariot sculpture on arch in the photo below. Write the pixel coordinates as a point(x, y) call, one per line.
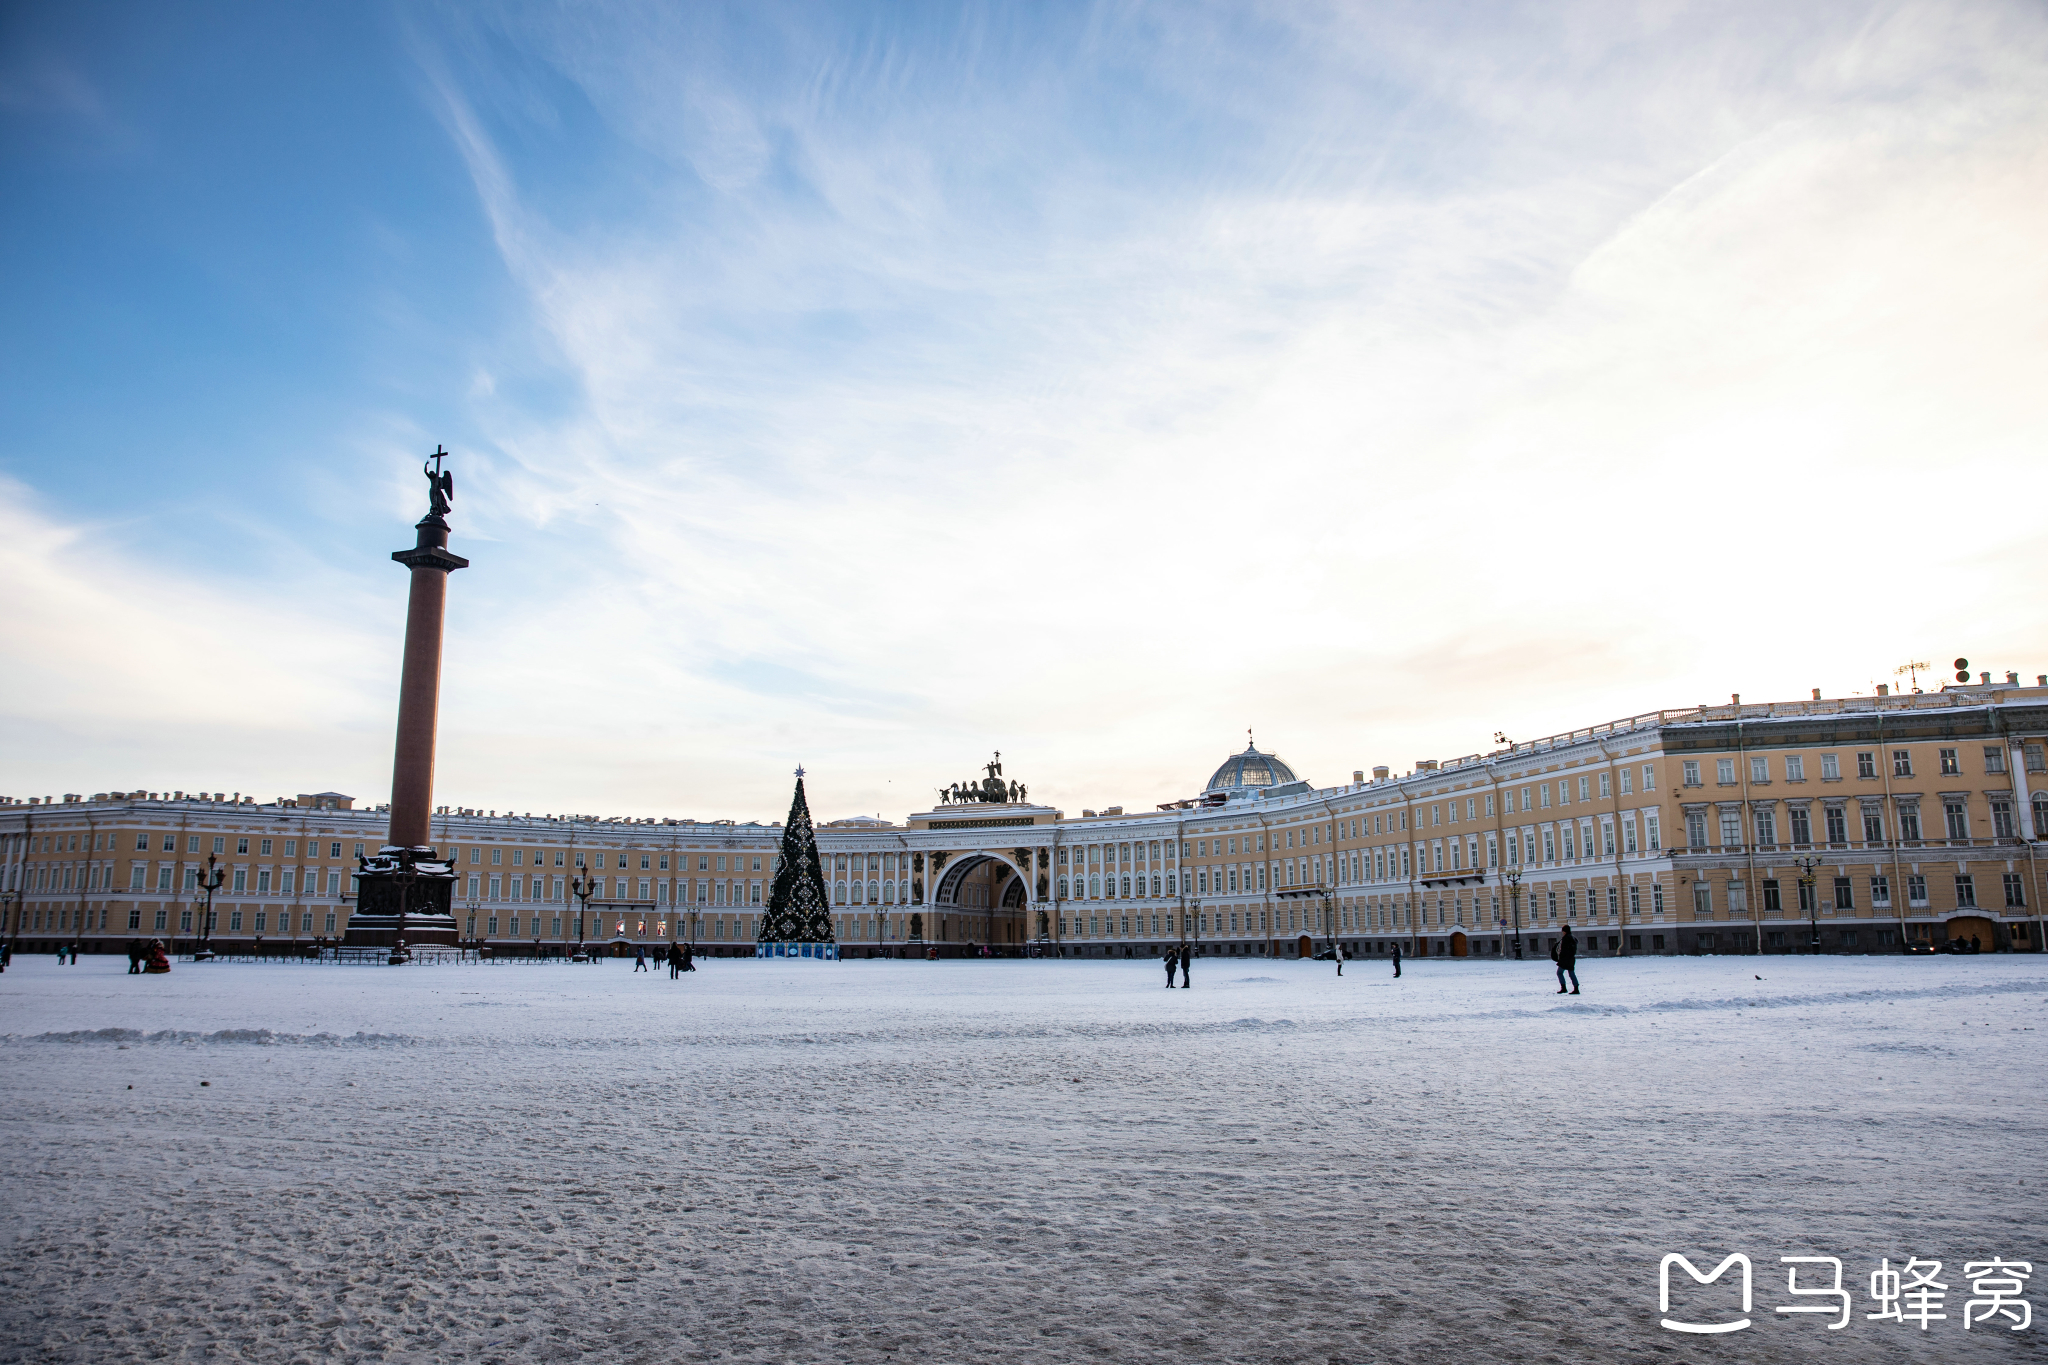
point(990, 789)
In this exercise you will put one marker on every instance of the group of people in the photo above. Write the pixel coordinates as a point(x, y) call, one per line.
point(146, 958)
point(1177, 959)
point(680, 958)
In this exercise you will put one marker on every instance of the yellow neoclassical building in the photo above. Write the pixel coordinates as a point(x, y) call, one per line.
point(1851, 825)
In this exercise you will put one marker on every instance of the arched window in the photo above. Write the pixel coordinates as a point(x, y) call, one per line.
point(874, 893)
point(1094, 885)
point(1127, 886)
point(839, 893)
point(889, 893)
point(1063, 888)
point(856, 893)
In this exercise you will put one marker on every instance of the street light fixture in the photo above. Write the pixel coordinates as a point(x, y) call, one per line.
point(582, 888)
point(1809, 892)
point(209, 882)
point(1514, 880)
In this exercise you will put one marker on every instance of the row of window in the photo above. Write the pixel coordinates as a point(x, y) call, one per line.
point(1840, 895)
point(1835, 823)
point(649, 862)
point(1103, 887)
point(540, 888)
point(42, 843)
point(869, 893)
point(1794, 765)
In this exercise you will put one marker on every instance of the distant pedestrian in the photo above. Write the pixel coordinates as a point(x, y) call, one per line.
point(1565, 953)
point(1187, 955)
point(639, 959)
point(1172, 962)
point(1397, 958)
point(135, 957)
point(689, 958)
point(1340, 960)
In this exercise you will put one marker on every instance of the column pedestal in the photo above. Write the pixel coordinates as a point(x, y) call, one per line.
point(403, 894)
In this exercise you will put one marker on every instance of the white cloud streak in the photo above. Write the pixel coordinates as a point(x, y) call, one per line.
point(1092, 392)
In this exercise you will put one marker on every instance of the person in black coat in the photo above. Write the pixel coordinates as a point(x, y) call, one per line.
point(1566, 955)
point(1397, 960)
point(1187, 955)
point(1172, 961)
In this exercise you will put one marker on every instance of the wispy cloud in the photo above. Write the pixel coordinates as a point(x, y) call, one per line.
point(1092, 382)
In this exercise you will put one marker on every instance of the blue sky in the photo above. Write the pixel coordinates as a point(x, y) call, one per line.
point(876, 386)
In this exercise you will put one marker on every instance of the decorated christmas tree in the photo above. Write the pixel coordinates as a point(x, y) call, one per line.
point(798, 909)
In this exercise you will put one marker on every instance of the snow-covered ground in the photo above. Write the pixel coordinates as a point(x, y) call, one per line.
point(1030, 1161)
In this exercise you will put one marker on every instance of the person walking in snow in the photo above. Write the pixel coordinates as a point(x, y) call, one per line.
point(135, 957)
point(1566, 955)
point(1187, 955)
point(639, 959)
point(1397, 961)
point(689, 958)
point(1172, 961)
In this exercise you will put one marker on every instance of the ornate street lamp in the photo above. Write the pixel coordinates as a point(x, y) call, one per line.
point(583, 888)
point(1514, 879)
point(1809, 892)
point(209, 882)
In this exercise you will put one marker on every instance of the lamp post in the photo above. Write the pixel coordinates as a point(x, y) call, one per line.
point(209, 882)
point(1809, 892)
point(469, 910)
point(582, 888)
point(1330, 922)
point(10, 924)
point(1514, 879)
point(1195, 922)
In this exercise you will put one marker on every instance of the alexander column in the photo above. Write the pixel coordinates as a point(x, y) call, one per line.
point(405, 895)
